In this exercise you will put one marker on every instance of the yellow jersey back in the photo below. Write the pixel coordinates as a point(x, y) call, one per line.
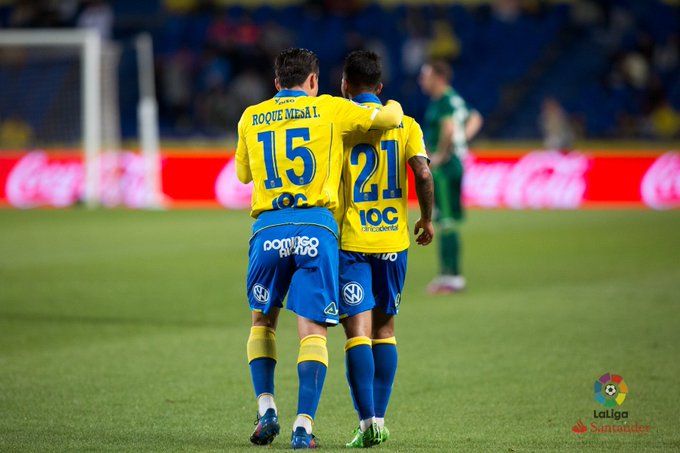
point(292, 146)
point(375, 185)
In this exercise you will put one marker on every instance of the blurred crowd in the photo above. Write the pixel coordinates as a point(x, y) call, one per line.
point(97, 14)
point(640, 76)
point(212, 60)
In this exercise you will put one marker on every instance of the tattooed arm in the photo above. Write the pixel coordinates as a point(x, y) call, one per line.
point(425, 192)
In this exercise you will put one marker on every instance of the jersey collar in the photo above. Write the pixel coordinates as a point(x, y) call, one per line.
point(365, 98)
point(285, 93)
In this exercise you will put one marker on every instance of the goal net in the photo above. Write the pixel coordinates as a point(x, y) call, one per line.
point(59, 91)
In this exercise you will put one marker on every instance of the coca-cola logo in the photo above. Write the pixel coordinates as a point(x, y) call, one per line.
point(539, 179)
point(36, 180)
point(124, 181)
point(660, 187)
point(230, 192)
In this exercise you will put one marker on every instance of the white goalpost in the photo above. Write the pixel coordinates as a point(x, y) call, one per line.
point(88, 44)
point(148, 120)
point(64, 84)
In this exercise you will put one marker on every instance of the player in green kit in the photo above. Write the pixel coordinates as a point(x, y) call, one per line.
point(290, 147)
point(374, 244)
point(448, 126)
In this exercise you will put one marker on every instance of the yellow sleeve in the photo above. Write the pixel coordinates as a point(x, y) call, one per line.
point(389, 116)
point(415, 145)
point(242, 160)
point(351, 116)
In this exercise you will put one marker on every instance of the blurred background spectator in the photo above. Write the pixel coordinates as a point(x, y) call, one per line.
point(555, 126)
point(15, 133)
point(613, 64)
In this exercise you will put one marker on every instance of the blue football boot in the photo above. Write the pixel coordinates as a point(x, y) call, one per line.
point(267, 428)
point(300, 440)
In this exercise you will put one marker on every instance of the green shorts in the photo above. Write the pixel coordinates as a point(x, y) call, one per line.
point(448, 191)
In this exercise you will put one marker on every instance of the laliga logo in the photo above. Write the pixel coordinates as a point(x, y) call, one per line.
point(261, 293)
point(660, 187)
point(610, 390)
point(352, 293)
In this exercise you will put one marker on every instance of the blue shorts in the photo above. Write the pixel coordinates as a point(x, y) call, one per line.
point(297, 259)
point(368, 280)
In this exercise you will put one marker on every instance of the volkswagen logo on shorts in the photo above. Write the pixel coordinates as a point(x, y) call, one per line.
point(261, 293)
point(352, 293)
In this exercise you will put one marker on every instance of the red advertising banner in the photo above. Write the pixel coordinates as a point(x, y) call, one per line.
point(493, 179)
point(556, 180)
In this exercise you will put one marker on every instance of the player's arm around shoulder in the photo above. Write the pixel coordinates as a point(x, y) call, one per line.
point(419, 163)
point(389, 116)
point(361, 117)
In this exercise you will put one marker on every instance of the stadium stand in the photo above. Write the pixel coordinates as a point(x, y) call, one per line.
point(611, 64)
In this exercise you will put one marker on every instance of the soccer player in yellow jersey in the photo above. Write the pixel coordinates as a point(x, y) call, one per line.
point(373, 244)
point(290, 146)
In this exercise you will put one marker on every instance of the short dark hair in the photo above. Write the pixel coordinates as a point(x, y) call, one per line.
point(293, 66)
point(442, 69)
point(363, 69)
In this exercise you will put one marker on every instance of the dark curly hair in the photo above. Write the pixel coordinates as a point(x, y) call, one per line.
point(363, 69)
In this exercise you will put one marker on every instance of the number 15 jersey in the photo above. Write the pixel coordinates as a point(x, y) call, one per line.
point(292, 146)
point(375, 188)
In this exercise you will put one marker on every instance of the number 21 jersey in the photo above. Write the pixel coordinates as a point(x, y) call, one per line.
point(375, 190)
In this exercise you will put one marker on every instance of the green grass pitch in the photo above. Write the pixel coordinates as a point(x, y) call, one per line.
point(125, 331)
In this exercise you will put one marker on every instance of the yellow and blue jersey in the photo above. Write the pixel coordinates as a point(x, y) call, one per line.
point(291, 146)
point(374, 185)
